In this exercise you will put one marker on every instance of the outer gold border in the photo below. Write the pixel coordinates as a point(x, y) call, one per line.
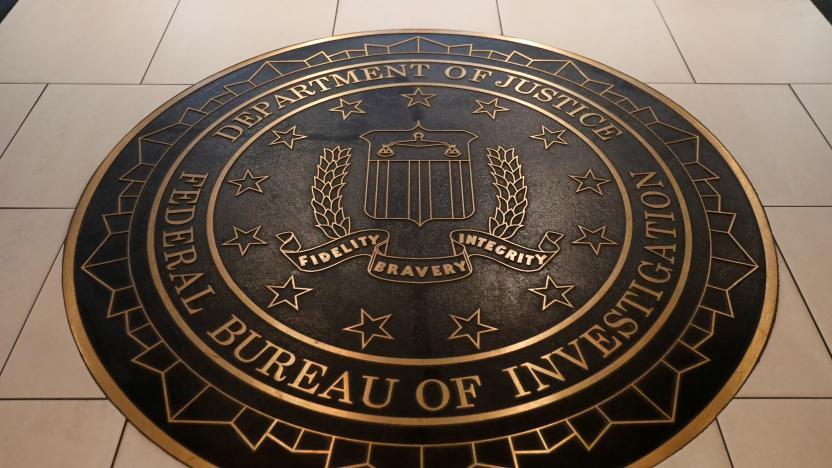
point(697, 425)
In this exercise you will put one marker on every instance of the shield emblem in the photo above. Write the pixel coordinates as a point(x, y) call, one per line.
point(419, 174)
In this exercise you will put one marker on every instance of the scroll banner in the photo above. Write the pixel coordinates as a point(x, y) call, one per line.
point(465, 243)
point(334, 252)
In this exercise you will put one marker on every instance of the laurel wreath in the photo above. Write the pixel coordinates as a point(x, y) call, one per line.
point(508, 179)
point(506, 173)
point(330, 178)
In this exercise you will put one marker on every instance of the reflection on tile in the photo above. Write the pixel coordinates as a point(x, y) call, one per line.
point(778, 432)
point(45, 362)
point(818, 100)
point(462, 15)
point(60, 434)
point(67, 135)
point(706, 449)
point(137, 451)
point(803, 237)
point(752, 41)
point(29, 241)
point(81, 41)
point(16, 100)
point(630, 36)
point(784, 155)
point(795, 362)
point(206, 36)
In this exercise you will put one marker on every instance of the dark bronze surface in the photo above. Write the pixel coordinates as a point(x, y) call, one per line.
point(420, 249)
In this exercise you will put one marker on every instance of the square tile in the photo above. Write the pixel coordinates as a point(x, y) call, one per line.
point(706, 449)
point(630, 36)
point(818, 101)
point(60, 434)
point(770, 135)
point(81, 41)
point(29, 242)
point(45, 362)
point(778, 432)
point(462, 15)
point(752, 41)
point(795, 362)
point(67, 135)
point(137, 451)
point(206, 36)
point(803, 237)
point(17, 100)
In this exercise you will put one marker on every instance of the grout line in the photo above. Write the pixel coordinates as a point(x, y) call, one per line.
point(810, 115)
point(73, 83)
point(32, 307)
point(335, 17)
point(744, 83)
point(118, 445)
point(673, 38)
point(803, 298)
point(797, 206)
point(170, 20)
point(102, 398)
point(37, 207)
point(724, 443)
point(717, 83)
point(781, 398)
point(499, 17)
point(14, 135)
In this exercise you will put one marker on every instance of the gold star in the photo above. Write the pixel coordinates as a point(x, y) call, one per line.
point(372, 326)
point(346, 108)
point(489, 107)
point(248, 182)
point(292, 137)
point(287, 293)
point(595, 185)
point(471, 325)
point(549, 137)
point(244, 239)
point(553, 294)
point(594, 238)
point(417, 97)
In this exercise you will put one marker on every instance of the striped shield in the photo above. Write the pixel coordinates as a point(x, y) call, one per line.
point(419, 174)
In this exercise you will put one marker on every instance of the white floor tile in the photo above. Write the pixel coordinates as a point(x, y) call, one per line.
point(29, 242)
point(462, 15)
point(206, 36)
point(65, 138)
point(770, 135)
point(795, 362)
point(778, 433)
point(818, 101)
point(706, 450)
point(16, 101)
point(752, 41)
point(137, 451)
point(803, 237)
point(45, 362)
point(81, 41)
point(60, 434)
point(630, 36)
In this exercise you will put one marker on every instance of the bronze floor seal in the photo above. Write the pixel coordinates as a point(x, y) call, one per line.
point(420, 248)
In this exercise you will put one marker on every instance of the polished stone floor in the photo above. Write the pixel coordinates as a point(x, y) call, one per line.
point(76, 75)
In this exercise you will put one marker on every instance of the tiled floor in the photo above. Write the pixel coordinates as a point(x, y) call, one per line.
point(75, 75)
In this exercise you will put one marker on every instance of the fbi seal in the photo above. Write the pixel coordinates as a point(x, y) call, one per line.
point(420, 249)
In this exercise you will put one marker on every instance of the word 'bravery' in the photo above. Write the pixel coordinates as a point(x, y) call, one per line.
point(527, 89)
